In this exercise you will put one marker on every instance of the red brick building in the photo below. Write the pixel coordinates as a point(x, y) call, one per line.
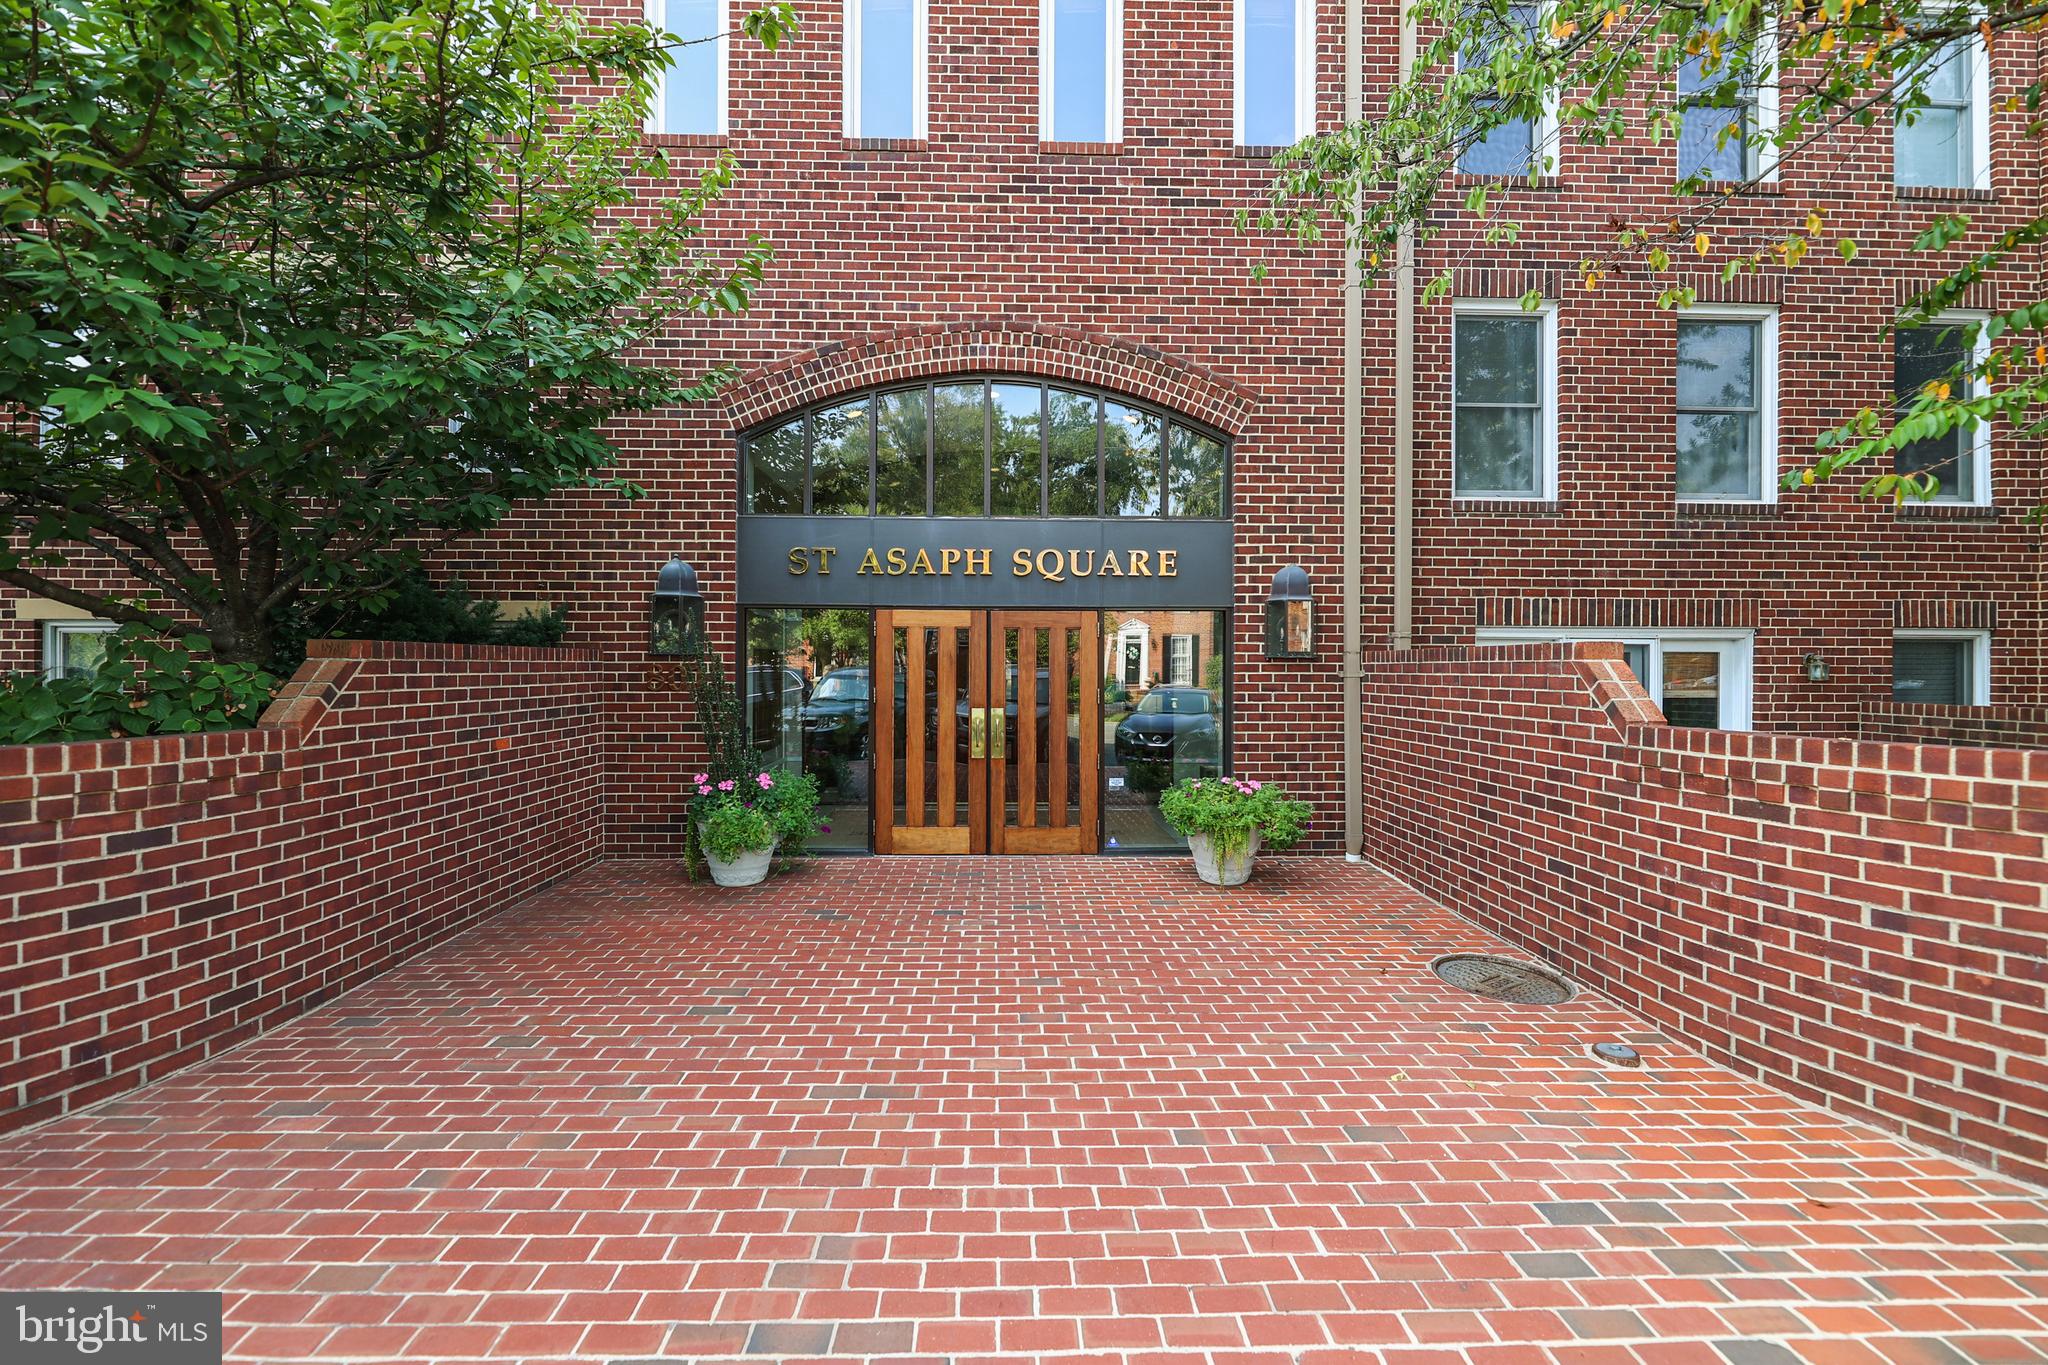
point(1011, 313)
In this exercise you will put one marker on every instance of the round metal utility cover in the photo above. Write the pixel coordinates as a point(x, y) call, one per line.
point(1503, 978)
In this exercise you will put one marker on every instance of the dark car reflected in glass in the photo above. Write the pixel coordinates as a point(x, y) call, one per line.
point(835, 719)
point(1177, 727)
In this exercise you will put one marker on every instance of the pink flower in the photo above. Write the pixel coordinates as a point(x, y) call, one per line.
point(703, 790)
point(701, 778)
point(726, 785)
point(766, 781)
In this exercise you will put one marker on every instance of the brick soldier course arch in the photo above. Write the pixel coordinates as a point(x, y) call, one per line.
point(989, 345)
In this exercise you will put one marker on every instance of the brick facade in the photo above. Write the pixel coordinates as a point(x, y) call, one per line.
point(170, 897)
point(1860, 924)
point(979, 248)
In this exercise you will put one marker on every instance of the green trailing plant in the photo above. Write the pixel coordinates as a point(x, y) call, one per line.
point(1228, 811)
point(731, 829)
point(144, 685)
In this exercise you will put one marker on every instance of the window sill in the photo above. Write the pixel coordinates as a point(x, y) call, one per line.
point(1546, 183)
point(1504, 507)
point(687, 139)
point(1727, 511)
point(1048, 147)
point(888, 144)
point(1950, 193)
point(1740, 187)
point(1948, 511)
point(1253, 153)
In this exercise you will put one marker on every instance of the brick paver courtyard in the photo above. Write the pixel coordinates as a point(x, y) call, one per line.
point(996, 1109)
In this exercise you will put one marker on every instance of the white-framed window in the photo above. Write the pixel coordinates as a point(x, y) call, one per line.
point(1700, 679)
point(1946, 141)
point(690, 96)
point(1503, 400)
point(1512, 147)
point(1727, 425)
point(1180, 661)
point(886, 43)
point(1274, 71)
point(1942, 667)
point(1134, 653)
point(1960, 460)
point(1081, 70)
point(1729, 113)
point(74, 649)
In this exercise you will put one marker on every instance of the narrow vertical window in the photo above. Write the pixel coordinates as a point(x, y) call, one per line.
point(1511, 146)
point(1959, 461)
point(690, 96)
point(1726, 100)
point(1275, 71)
point(885, 68)
point(1725, 374)
point(1938, 127)
point(1080, 71)
point(1503, 365)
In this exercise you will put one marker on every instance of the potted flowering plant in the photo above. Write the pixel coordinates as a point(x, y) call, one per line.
point(1228, 820)
point(737, 823)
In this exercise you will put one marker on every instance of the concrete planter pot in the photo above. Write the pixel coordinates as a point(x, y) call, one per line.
point(1232, 871)
point(746, 870)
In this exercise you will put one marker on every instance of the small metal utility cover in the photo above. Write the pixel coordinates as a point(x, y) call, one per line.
point(1503, 978)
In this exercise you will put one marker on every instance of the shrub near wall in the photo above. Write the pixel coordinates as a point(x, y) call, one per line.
point(168, 897)
point(1861, 924)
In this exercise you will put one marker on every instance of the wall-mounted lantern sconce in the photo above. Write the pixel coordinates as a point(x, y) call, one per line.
point(1817, 669)
point(1290, 616)
point(675, 614)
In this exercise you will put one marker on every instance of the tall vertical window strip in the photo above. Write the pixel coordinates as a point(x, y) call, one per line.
point(1722, 374)
point(1499, 423)
point(692, 95)
point(1079, 86)
point(1510, 146)
point(1271, 42)
point(886, 68)
point(1923, 356)
point(1936, 143)
point(1719, 112)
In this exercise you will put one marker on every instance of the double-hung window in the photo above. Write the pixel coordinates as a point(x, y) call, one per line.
point(885, 68)
point(1727, 405)
point(1511, 146)
point(1080, 70)
point(1727, 101)
point(1274, 54)
point(1959, 461)
point(1700, 679)
point(690, 96)
point(1180, 661)
point(1942, 667)
point(1941, 135)
point(1503, 400)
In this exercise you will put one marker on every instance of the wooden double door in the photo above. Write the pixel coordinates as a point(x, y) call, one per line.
point(987, 731)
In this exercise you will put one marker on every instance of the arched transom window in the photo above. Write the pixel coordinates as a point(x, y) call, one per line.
point(994, 446)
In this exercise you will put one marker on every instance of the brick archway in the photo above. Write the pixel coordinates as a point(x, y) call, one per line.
point(981, 346)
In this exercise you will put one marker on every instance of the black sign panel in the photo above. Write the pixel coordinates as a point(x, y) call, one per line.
point(983, 562)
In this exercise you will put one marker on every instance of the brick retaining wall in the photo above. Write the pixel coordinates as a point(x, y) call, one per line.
point(2015, 726)
point(170, 896)
point(1862, 924)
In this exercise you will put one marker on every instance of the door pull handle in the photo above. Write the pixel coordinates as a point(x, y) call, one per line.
point(977, 732)
point(995, 732)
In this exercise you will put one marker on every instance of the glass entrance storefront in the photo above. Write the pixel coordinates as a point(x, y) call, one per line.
point(989, 731)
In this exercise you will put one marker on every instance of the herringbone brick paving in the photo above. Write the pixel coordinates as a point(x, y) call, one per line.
point(921, 1110)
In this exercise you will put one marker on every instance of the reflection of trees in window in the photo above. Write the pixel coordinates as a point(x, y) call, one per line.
point(837, 637)
point(988, 447)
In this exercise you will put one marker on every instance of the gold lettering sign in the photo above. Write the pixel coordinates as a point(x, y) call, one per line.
point(1047, 565)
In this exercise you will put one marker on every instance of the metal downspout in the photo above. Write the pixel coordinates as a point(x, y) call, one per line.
point(1354, 460)
point(1403, 634)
